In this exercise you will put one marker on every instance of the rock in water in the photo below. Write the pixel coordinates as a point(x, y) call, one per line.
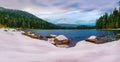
point(61, 39)
point(51, 36)
point(97, 40)
point(92, 39)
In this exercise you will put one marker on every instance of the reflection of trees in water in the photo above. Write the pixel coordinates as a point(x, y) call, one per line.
point(110, 35)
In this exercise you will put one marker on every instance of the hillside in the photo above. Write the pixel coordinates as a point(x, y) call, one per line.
point(21, 19)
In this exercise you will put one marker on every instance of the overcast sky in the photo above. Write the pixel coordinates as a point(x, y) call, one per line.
point(83, 12)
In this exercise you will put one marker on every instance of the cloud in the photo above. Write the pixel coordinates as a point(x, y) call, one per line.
point(61, 5)
point(74, 17)
point(37, 2)
point(74, 5)
point(75, 11)
point(63, 21)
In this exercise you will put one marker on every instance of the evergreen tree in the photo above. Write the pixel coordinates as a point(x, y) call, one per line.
point(109, 21)
point(21, 19)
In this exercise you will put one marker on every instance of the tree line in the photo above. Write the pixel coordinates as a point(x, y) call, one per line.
point(21, 19)
point(109, 21)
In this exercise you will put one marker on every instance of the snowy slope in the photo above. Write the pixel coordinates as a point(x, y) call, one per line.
point(15, 47)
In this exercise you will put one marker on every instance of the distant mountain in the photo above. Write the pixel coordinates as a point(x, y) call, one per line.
point(67, 25)
point(21, 19)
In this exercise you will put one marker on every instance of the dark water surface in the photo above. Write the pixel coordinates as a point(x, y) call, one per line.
point(78, 35)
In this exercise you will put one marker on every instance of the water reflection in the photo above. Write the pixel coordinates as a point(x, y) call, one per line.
point(77, 35)
point(110, 35)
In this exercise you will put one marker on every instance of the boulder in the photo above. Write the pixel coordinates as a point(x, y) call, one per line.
point(61, 39)
point(92, 39)
point(97, 40)
point(36, 37)
point(32, 35)
point(51, 36)
point(27, 33)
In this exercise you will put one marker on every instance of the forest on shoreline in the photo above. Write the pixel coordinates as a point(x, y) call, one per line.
point(21, 19)
point(109, 21)
point(24, 20)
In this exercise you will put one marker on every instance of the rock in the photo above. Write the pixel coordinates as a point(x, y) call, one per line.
point(32, 35)
point(61, 39)
point(57, 42)
point(6, 30)
point(27, 33)
point(36, 37)
point(96, 40)
point(51, 36)
point(92, 39)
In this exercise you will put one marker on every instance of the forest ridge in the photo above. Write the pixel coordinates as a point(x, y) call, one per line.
point(21, 19)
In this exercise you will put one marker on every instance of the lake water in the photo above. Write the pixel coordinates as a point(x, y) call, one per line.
point(78, 35)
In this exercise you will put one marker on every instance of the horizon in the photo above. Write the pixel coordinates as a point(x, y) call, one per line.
point(80, 12)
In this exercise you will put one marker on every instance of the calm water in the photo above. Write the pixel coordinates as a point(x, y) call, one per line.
point(77, 35)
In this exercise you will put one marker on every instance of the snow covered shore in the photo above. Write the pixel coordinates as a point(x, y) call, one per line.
point(15, 47)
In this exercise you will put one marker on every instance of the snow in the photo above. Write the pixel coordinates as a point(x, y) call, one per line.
point(63, 46)
point(53, 35)
point(61, 37)
point(92, 37)
point(51, 40)
point(15, 47)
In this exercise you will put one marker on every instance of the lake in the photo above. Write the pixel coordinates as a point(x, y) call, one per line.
point(78, 35)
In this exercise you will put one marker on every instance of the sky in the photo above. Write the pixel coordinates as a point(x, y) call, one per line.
point(81, 12)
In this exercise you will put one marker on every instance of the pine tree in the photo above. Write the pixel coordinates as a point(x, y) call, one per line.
point(109, 21)
point(21, 19)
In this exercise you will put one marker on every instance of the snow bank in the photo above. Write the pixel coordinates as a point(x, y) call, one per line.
point(15, 47)
point(51, 40)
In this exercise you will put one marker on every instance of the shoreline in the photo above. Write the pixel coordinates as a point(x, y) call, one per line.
point(16, 47)
point(111, 29)
point(62, 29)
